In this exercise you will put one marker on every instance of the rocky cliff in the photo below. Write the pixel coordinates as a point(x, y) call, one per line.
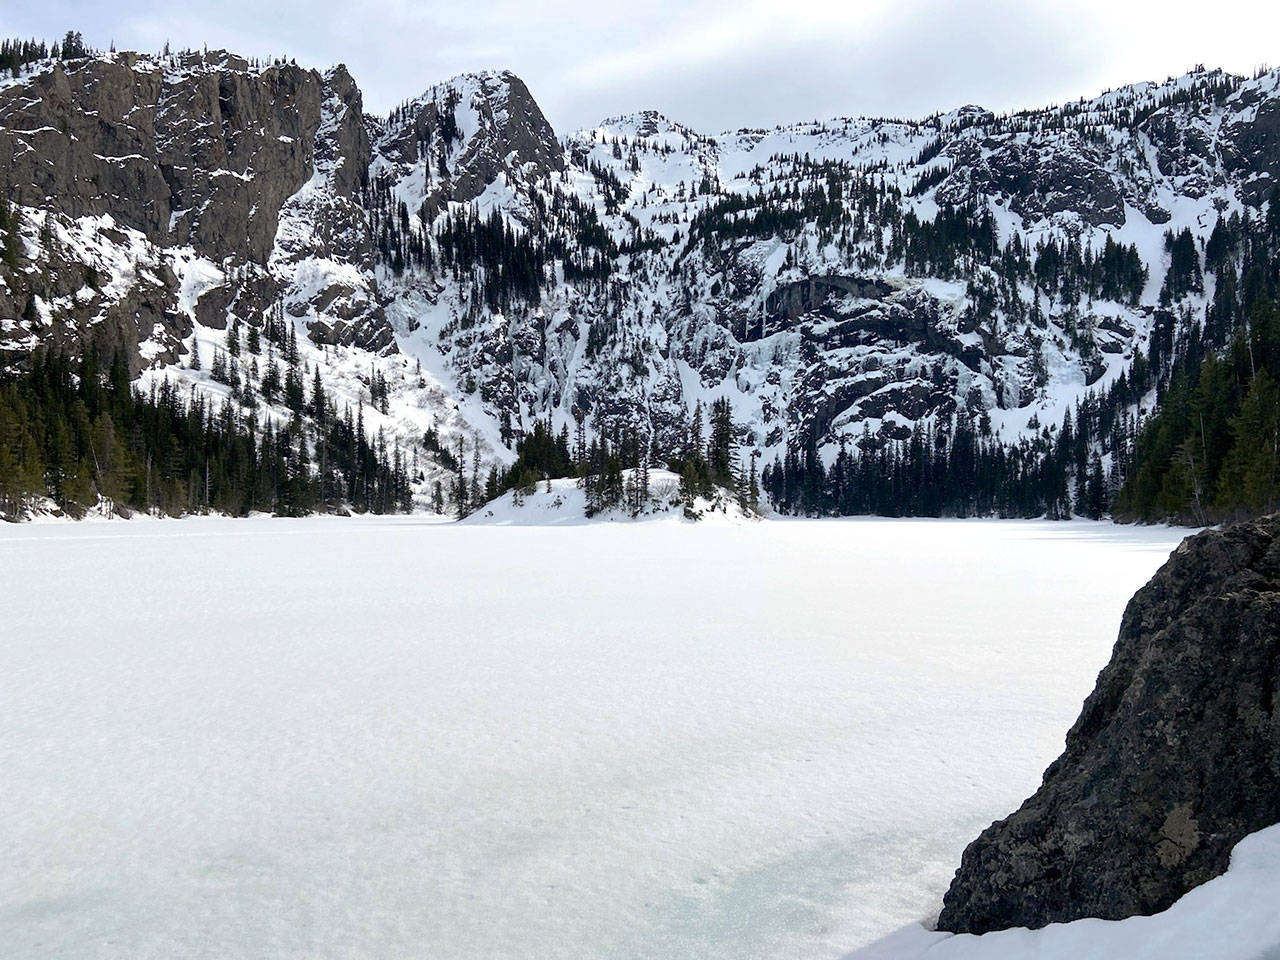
point(132, 167)
point(1173, 760)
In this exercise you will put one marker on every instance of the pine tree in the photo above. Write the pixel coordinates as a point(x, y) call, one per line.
point(1251, 472)
point(73, 46)
point(270, 384)
point(319, 403)
point(460, 483)
point(77, 436)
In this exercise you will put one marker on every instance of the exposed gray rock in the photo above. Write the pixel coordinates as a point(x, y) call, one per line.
point(200, 150)
point(325, 223)
point(1173, 760)
point(1039, 180)
point(1185, 150)
point(74, 297)
point(789, 301)
point(1253, 147)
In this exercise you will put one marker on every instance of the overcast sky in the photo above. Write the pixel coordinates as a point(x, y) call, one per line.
point(713, 64)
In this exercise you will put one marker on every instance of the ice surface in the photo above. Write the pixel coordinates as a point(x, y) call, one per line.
point(337, 738)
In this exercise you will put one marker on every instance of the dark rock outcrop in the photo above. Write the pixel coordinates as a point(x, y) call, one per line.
point(257, 169)
point(1040, 180)
point(785, 304)
point(1251, 146)
point(1173, 760)
point(76, 297)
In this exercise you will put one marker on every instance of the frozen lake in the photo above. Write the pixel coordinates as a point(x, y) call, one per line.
point(391, 738)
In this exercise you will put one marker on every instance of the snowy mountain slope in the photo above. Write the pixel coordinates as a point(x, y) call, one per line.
point(840, 282)
point(820, 329)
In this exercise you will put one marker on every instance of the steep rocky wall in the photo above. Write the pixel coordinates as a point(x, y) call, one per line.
point(257, 170)
point(197, 149)
point(92, 285)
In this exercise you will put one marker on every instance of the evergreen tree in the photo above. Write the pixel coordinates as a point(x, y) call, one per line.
point(79, 437)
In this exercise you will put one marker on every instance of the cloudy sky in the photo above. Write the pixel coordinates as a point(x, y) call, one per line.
point(713, 64)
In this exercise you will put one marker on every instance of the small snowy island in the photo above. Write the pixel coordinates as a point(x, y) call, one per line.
point(566, 501)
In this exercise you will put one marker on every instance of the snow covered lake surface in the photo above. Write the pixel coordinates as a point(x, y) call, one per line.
point(394, 738)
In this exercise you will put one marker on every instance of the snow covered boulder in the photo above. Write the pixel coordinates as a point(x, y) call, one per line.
point(1173, 760)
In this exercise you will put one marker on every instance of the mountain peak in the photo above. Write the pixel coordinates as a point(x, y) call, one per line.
point(648, 125)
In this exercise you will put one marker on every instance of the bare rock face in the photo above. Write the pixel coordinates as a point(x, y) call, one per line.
point(78, 296)
point(1173, 760)
point(199, 150)
point(344, 147)
point(1252, 147)
point(258, 170)
point(323, 252)
point(791, 300)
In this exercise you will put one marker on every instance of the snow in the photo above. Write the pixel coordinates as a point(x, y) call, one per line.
point(401, 738)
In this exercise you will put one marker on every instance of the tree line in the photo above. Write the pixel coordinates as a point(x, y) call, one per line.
point(1212, 450)
point(16, 53)
point(80, 435)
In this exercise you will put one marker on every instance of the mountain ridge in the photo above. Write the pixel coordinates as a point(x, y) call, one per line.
point(842, 282)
